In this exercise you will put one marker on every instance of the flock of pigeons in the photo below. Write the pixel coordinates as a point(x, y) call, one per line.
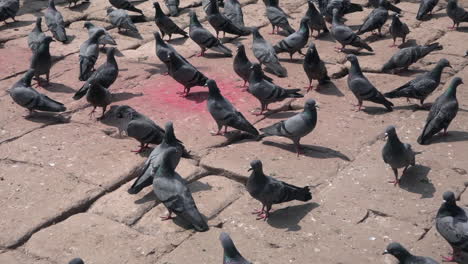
point(159, 169)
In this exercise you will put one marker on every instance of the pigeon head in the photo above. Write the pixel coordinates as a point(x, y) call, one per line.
point(256, 34)
point(444, 63)
point(52, 4)
point(166, 163)
point(466, 54)
point(397, 250)
point(38, 22)
point(230, 250)
point(390, 131)
point(194, 18)
point(452, 4)
point(212, 87)
point(457, 81)
point(88, 25)
point(256, 166)
point(48, 40)
point(76, 261)
point(156, 5)
point(123, 111)
point(169, 136)
point(98, 33)
point(351, 58)
point(111, 51)
point(310, 104)
point(256, 67)
point(27, 77)
point(241, 47)
point(109, 10)
point(449, 198)
point(304, 23)
point(157, 37)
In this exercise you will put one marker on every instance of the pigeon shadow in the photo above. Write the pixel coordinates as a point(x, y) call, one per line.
point(130, 34)
point(117, 97)
point(357, 52)
point(81, 7)
point(452, 136)
point(408, 43)
point(58, 88)
point(138, 19)
point(294, 60)
point(197, 186)
point(198, 97)
point(48, 118)
point(462, 29)
point(177, 41)
point(156, 68)
point(214, 55)
point(148, 197)
point(281, 115)
point(17, 24)
point(311, 151)
point(290, 217)
point(375, 110)
point(328, 88)
point(70, 39)
point(324, 37)
point(415, 181)
point(235, 41)
point(373, 38)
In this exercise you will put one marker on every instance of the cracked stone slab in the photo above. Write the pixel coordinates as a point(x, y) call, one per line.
point(16, 257)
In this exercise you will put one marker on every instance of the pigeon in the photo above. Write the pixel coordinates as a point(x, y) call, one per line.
point(36, 36)
point(422, 86)
point(8, 9)
point(89, 53)
point(345, 36)
point(314, 67)
point(41, 61)
point(165, 24)
point(466, 54)
point(163, 48)
point(315, 19)
point(403, 58)
point(224, 113)
point(98, 95)
point(425, 8)
point(294, 42)
point(204, 38)
point(231, 254)
point(105, 39)
point(54, 22)
point(70, 2)
point(295, 127)
point(343, 6)
point(139, 127)
point(126, 5)
point(456, 13)
point(266, 55)
point(221, 23)
point(375, 3)
point(362, 88)
point(277, 17)
point(207, 4)
point(404, 257)
point(145, 178)
point(173, 7)
point(452, 225)
point(397, 154)
point(398, 29)
point(24, 95)
point(269, 190)
point(376, 19)
point(121, 19)
point(243, 67)
point(233, 11)
point(184, 73)
point(170, 188)
point(267, 92)
point(442, 112)
point(76, 261)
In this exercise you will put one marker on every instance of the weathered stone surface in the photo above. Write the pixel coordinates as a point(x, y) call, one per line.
point(16, 257)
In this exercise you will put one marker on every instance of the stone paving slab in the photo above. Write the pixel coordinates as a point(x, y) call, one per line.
point(15, 257)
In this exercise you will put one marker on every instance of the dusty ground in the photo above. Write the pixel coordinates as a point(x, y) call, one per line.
point(63, 179)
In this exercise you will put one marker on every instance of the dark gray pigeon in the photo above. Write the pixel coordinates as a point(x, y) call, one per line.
point(170, 188)
point(343, 6)
point(277, 17)
point(76, 261)
point(54, 22)
point(297, 126)
point(120, 19)
point(231, 255)
point(98, 95)
point(425, 8)
point(105, 39)
point(224, 113)
point(403, 58)
point(89, 53)
point(442, 112)
point(9, 9)
point(452, 225)
point(362, 88)
point(165, 24)
point(233, 11)
point(36, 36)
point(163, 48)
point(204, 38)
point(376, 19)
point(397, 154)
point(24, 95)
point(266, 55)
point(315, 20)
point(267, 92)
point(126, 5)
point(173, 7)
point(456, 13)
point(294, 42)
point(398, 29)
point(422, 86)
point(139, 127)
point(184, 73)
point(404, 257)
point(222, 23)
point(41, 61)
point(243, 67)
point(269, 190)
point(314, 67)
point(344, 35)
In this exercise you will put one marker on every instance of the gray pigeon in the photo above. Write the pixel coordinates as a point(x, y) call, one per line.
point(314, 67)
point(231, 255)
point(267, 92)
point(422, 86)
point(403, 58)
point(173, 6)
point(442, 112)
point(24, 95)
point(224, 113)
point(243, 67)
point(344, 35)
point(36, 36)
point(145, 177)
point(397, 154)
point(105, 39)
point(163, 48)
point(456, 13)
point(41, 61)
point(265, 54)
point(404, 257)
point(76, 261)
point(221, 23)
point(54, 22)
point(362, 88)
point(126, 5)
point(139, 127)
point(425, 8)
point(297, 126)
point(315, 19)
point(170, 188)
point(295, 41)
point(376, 19)
point(233, 11)
point(120, 19)
point(269, 190)
point(165, 24)
point(398, 29)
point(343, 6)
point(204, 38)
point(89, 53)
point(98, 95)
point(8, 9)
point(277, 17)
point(184, 73)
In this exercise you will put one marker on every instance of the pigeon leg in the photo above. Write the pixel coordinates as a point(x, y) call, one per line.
point(380, 32)
point(262, 108)
point(403, 40)
point(298, 147)
point(142, 147)
point(47, 77)
point(290, 57)
point(225, 129)
point(273, 31)
point(359, 105)
point(310, 86)
point(219, 133)
point(103, 111)
point(394, 44)
point(445, 133)
point(202, 53)
point(396, 181)
point(404, 170)
point(217, 34)
point(452, 27)
point(224, 34)
point(245, 84)
point(259, 212)
point(168, 217)
point(30, 113)
point(91, 114)
point(265, 214)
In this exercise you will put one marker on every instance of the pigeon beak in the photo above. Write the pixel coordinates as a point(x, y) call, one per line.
point(385, 252)
point(249, 169)
point(450, 66)
point(317, 106)
point(386, 135)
